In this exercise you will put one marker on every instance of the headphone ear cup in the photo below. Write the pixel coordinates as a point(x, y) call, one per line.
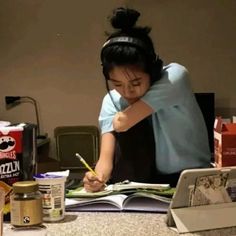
point(156, 70)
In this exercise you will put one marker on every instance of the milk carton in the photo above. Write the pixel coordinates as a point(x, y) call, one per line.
point(224, 143)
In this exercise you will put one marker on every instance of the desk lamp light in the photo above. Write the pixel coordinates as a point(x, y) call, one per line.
point(12, 101)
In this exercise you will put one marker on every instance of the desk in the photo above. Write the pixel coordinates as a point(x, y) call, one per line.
point(119, 224)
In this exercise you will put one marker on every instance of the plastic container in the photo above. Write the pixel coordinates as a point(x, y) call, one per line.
point(26, 204)
point(52, 188)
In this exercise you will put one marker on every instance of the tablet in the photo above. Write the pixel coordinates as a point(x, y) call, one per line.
point(201, 187)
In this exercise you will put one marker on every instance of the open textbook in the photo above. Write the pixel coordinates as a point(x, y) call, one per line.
point(123, 196)
point(138, 201)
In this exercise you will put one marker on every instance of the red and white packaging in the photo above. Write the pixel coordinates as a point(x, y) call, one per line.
point(224, 143)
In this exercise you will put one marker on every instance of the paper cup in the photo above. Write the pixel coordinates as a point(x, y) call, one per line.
point(52, 188)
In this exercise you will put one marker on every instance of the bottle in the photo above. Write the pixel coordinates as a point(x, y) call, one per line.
point(26, 204)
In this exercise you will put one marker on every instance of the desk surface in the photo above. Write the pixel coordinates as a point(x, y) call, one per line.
point(119, 224)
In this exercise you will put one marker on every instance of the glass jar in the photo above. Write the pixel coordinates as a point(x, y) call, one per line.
point(26, 204)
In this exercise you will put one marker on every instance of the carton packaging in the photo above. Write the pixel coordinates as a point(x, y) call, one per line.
point(224, 142)
point(17, 158)
point(2, 202)
point(1, 222)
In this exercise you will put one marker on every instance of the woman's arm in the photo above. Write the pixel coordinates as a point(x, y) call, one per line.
point(131, 116)
point(105, 162)
point(104, 165)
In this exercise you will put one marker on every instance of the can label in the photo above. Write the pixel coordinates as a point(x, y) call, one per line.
point(26, 212)
point(52, 201)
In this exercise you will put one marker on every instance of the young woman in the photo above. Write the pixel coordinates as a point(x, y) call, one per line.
point(151, 125)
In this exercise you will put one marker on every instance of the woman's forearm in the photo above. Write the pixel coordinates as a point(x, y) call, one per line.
point(105, 163)
point(126, 119)
point(104, 169)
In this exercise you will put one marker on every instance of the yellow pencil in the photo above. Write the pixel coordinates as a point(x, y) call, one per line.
point(85, 164)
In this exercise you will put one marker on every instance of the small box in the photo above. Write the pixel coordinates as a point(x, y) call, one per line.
point(224, 143)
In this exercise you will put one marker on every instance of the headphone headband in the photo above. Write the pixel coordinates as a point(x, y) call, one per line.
point(125, 40)
point(128, 41)
point(155, 65)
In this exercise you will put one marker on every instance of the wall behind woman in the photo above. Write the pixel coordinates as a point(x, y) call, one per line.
point(50, 51)
point(201, 35)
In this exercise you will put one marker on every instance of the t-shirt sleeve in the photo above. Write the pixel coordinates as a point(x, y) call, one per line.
point(107, 112)
point(169, 90)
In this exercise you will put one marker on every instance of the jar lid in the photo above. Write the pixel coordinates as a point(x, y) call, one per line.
point(25, 186)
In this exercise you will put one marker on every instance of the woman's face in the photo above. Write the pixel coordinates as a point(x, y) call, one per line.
point(130, 82)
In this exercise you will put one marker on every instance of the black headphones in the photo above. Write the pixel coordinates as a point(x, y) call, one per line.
point(156, 63)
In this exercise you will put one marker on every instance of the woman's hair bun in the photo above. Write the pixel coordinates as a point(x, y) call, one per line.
point(124, 18)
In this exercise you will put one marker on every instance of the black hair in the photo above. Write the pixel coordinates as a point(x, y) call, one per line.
point(130, 45)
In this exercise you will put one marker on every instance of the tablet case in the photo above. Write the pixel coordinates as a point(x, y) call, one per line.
point(187, 217)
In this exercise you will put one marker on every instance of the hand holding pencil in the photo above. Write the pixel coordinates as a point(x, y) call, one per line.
point(92, 181)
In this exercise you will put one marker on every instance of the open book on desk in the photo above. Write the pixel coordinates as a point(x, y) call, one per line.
point(124, 196)
point(138, 201)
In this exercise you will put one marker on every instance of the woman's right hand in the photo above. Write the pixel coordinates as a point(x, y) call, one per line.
point(93, 183)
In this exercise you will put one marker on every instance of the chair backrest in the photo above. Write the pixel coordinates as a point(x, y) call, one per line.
point(206, 102)
point(83, 139)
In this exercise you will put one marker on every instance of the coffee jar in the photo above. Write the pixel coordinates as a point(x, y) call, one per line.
point(26, 204)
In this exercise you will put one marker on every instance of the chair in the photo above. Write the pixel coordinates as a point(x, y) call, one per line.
point(206, 102)
point(71, 139)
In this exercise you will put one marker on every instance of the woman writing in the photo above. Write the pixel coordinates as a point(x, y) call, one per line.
point(151, 125)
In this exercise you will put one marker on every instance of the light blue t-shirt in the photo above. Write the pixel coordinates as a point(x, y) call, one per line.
point(179, 129)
